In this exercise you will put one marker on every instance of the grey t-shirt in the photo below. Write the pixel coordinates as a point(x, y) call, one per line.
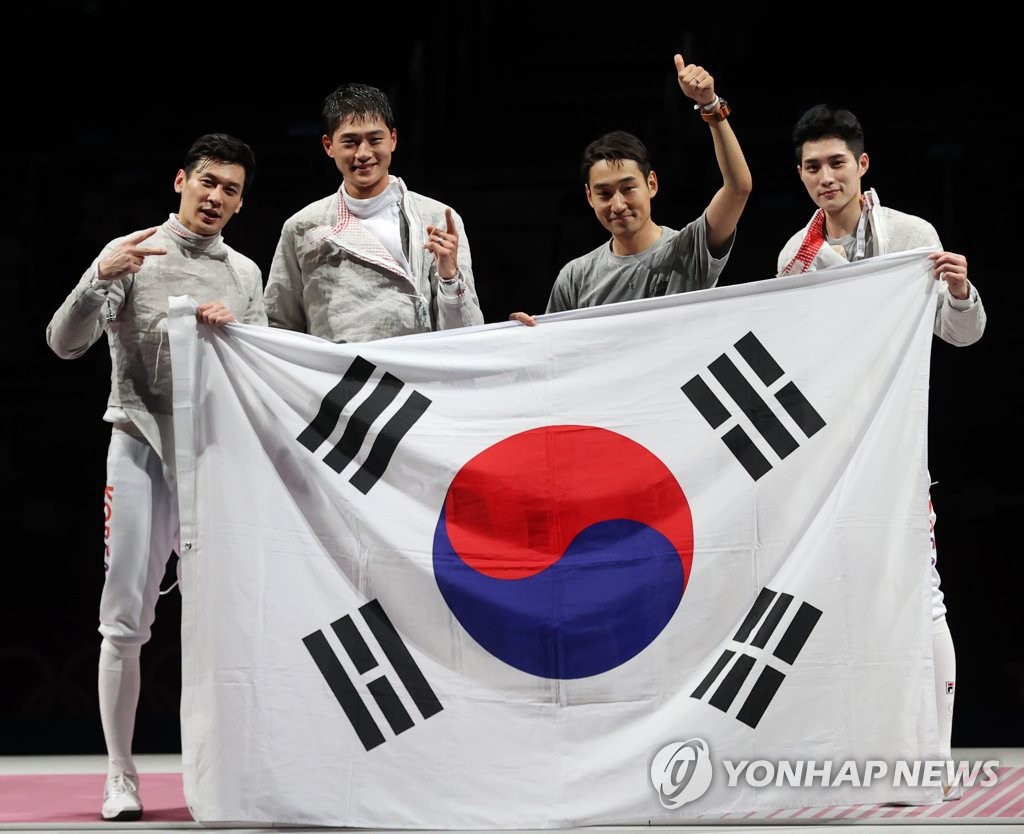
point(676, 262)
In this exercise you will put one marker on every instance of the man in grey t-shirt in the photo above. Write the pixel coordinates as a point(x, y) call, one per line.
point(644, 259)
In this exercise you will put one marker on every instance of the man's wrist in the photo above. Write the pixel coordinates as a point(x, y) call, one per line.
point(98, 282)
point(453, 280)
point(454, 287)
point(714, 111)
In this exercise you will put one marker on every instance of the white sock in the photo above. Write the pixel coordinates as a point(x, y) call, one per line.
point(119, 679)
point(945, 683)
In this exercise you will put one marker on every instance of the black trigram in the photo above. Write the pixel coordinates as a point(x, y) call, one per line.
point(379, 687)
point(738, 663)
point(358, 424)
point(750, 403)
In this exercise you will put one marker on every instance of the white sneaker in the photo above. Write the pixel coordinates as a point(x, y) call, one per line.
point(121, 801)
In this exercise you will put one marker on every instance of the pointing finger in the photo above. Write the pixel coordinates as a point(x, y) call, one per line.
point(141, 236)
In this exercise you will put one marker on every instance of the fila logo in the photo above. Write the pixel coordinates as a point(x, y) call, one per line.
point(756, 407)
point(359, 422)
point(768, 612)
point(370, 677)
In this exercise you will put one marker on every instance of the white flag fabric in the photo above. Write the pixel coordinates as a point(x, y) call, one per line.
point(640, 563)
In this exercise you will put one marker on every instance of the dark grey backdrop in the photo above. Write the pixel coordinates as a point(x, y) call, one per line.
point(494, 104)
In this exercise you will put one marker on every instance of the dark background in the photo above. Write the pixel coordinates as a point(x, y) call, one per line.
point(494, 104)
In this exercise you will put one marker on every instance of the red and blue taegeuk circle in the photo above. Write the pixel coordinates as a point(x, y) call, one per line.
point(564, 550)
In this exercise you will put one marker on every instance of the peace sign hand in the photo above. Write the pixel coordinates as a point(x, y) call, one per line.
point(127, 258)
